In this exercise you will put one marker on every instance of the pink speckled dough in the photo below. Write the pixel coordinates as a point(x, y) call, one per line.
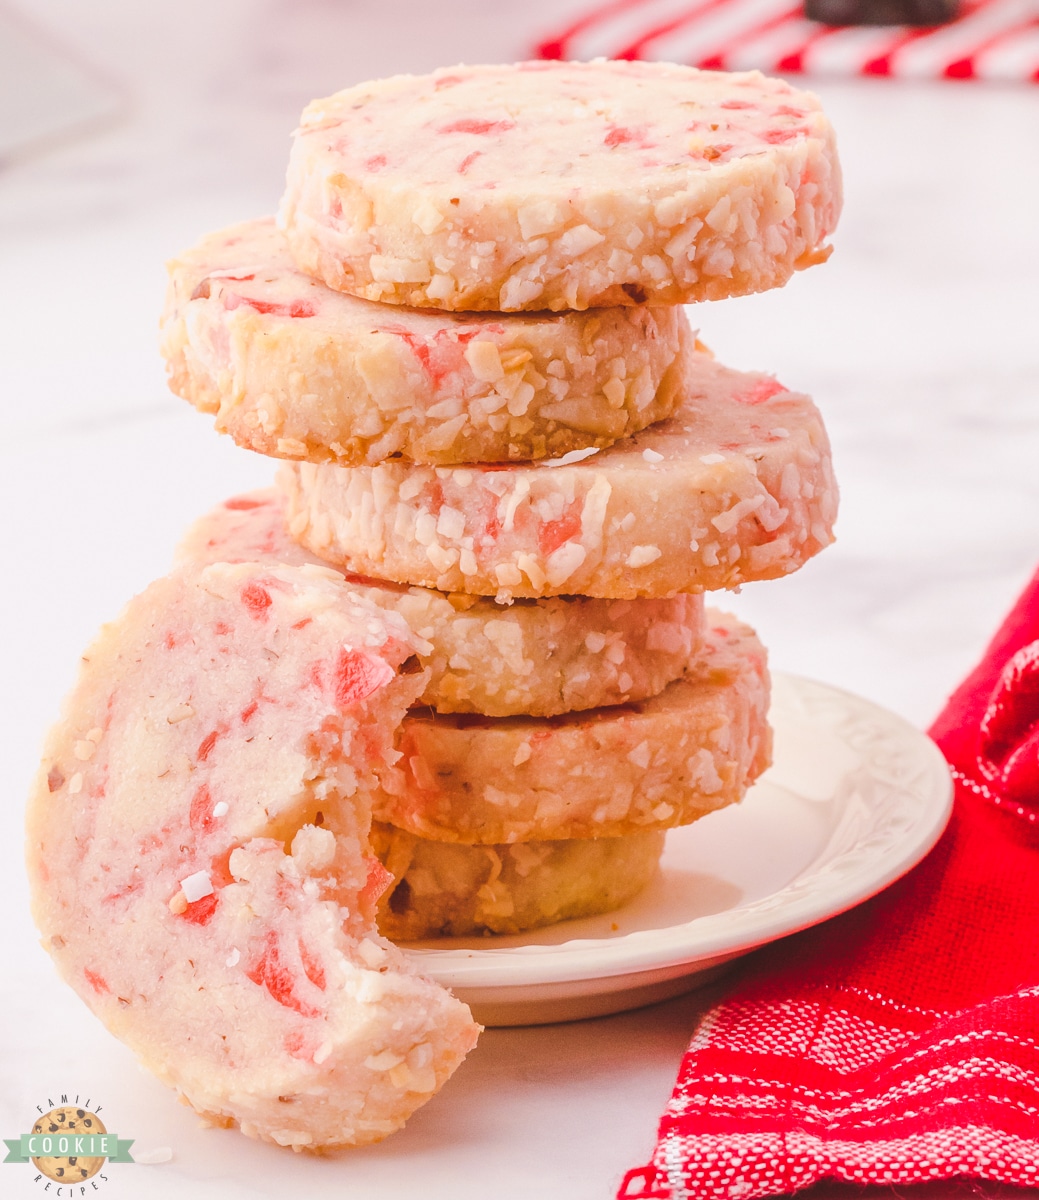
point(199, 859)
point(737, 486)
point(561, 185)
point(293, 369)
point(542, 658)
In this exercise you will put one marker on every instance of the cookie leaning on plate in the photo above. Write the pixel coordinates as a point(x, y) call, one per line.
point(561, 185)
point(737, 486)
point(293, 369)
point(199, 860)
point(541, 658)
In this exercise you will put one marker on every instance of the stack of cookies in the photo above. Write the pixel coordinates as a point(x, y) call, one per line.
point(464, 338)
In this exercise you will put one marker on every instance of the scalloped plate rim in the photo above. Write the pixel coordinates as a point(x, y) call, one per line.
point(695, 943)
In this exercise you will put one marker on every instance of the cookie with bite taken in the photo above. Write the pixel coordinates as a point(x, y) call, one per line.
point(199, 857)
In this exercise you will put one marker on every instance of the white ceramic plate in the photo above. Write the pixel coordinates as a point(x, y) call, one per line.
point(856, 796)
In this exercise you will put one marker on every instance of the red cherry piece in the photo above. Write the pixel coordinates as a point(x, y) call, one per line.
point(379, 879)
point(256, 599)
point(553, 534)
point(297, 308)
point(312, 967)
point(199, 912)
point(242, 503)
point(205, 747)
point(357, 675)
point(270, 972)
point(96, 981)
point(761, 392)
point(200, 816)
point(475, 125)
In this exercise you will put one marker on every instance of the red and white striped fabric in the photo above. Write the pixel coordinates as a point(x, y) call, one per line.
point(898, 1043)
point(994, 40)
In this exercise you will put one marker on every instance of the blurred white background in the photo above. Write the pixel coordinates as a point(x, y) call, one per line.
point(918, 340)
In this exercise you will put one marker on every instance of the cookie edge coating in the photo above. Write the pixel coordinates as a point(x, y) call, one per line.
point(671, 631)
point(374, 521)
point(792, 208)
point(452, 794)
point(266, 404)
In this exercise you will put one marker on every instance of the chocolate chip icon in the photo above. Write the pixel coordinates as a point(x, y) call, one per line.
point(63, 1125)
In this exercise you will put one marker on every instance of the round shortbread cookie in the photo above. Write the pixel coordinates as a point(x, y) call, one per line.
point(606, 773)
point(736, 486)
point(444, 889)
point(199, 860)
point(561, 185)
point(293, 369)
point(539, 658)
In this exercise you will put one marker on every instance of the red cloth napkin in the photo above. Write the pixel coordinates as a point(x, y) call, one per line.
point(899, 1042)
point(995, 40)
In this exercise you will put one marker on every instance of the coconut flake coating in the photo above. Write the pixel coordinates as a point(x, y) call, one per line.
point(610, 772)
point(561, 185)
point(444, 889)
point(736, 486)
point(293, 369)
point(541, 658)
point(199, 859)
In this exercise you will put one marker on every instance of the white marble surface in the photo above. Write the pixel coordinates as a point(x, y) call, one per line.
point(918, 339)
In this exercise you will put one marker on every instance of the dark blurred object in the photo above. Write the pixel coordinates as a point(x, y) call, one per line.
point(882, 12)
